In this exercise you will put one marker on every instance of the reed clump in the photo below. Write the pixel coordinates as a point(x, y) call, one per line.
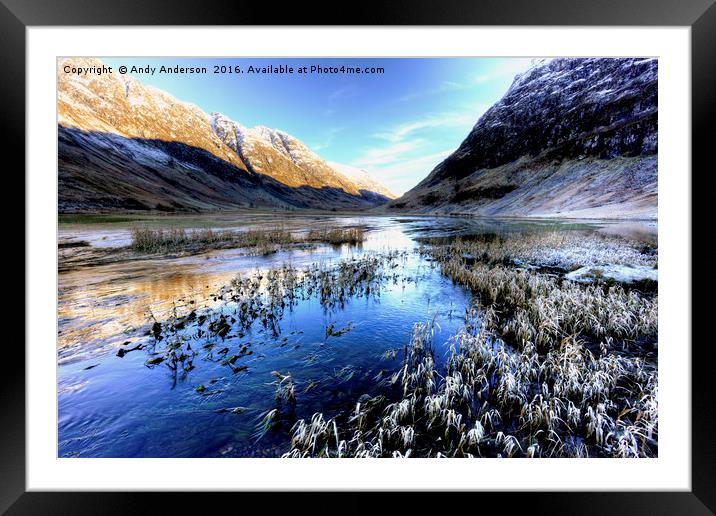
point(149, 240)
point(541, 309)
point(257, 241)
point(494, 401)
point(262, 299)
point(338, 236)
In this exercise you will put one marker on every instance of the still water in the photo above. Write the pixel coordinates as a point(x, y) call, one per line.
point(125, 406)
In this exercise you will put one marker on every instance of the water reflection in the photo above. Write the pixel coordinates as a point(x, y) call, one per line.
point(123, 407)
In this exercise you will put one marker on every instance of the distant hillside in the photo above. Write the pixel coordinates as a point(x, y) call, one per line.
point(363, 180)
point(571, 137)
point(126, 146)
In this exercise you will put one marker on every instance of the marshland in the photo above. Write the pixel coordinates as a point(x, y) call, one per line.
point(356, 336)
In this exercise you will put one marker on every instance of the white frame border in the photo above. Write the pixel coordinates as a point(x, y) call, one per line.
point(670, 471)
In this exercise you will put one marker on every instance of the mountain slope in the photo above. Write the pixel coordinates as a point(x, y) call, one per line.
point(571, 137)
point(363, 180)
point(123, 145)
point(288, 160)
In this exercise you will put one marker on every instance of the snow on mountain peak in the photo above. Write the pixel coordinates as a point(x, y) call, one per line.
point(122, 105)
point(362, 179)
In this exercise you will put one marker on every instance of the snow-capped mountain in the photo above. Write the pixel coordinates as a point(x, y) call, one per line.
point(362, 179)
point(279, 155)
point(571, 137)
point(123, 145)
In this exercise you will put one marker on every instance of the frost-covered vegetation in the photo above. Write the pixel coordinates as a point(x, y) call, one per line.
point(542, 368)
point(560, 249)
point(541, 309)
point(493, 400)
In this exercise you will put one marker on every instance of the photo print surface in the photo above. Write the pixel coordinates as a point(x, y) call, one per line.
point(357, 257)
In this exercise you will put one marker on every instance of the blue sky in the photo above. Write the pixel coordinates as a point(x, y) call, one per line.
point(397, 125)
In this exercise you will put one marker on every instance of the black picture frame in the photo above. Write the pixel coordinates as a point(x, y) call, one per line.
point(700, 15)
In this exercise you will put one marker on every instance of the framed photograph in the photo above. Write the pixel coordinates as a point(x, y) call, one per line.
point(435, 249)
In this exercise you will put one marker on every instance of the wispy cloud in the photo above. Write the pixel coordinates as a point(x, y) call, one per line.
point(505, 68)
point(401, 176)
point(328, 138)
point(442, 87)
point(385, 155)
point(343, 93)
point(407, 129)
point(407, 153)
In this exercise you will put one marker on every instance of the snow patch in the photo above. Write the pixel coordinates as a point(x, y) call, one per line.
point(619, 273)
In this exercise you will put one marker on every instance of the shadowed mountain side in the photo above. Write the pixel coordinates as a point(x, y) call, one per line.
point(121, 105)
point(571, 137)
point(105, 171)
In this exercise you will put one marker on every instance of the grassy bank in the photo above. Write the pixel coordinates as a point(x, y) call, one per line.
point(264, 241)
